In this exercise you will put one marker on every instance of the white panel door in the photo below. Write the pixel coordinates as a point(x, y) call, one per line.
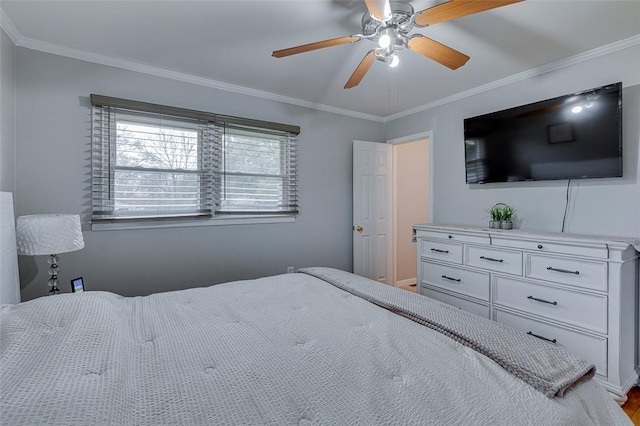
point(372, 208)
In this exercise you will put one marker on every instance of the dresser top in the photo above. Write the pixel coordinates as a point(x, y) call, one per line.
point(621, 242)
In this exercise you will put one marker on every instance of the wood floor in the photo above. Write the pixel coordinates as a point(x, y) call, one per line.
point(408, 287)
point(631, 407)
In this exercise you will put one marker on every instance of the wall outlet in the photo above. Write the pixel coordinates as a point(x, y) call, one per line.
point(289, 269)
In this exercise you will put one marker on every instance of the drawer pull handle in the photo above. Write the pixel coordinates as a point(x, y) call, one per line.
point(440, 251)
point(542, 300)
point(564, 271)
point(542, 337)
point(450, 236)
point(451, 279)
point(492, 259)
point(540, 246)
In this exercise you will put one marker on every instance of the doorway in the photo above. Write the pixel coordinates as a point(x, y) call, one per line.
point(392, 187)
point(411, 201)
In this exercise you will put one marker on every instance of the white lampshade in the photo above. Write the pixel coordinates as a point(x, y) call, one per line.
point(47, 234)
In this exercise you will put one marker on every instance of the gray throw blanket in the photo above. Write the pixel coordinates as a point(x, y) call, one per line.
point(548, 368)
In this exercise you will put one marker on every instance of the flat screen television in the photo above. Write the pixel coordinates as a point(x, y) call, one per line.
point(576, 136)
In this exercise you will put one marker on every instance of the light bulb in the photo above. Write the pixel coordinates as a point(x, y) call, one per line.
point(394, 61)
point(387, 9)
point(384, 41)
point(576, 109)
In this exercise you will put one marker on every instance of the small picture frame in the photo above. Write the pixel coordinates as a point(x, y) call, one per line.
point(77, 285)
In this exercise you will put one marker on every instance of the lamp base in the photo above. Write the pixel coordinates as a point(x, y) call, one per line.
point(53, 274)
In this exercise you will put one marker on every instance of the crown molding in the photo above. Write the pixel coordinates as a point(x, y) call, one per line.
point(83, 55)
point(9, 28)
point(534, 72)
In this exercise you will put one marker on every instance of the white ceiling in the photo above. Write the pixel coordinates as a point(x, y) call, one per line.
point(231, 42)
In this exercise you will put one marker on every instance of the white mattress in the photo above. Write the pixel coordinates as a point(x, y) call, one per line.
point(289, 349)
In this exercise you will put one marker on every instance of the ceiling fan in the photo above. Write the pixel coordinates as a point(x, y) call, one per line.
point(390, 22)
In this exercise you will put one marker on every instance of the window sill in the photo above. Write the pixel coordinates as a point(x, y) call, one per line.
point(182, 223)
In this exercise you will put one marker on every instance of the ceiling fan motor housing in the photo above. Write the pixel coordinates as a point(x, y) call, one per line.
point(396, 26)
point(401, 13)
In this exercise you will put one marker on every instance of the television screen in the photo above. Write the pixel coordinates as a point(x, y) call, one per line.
point(575, 136)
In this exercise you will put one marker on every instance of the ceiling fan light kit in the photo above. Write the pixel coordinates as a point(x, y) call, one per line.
point(385, 40)
point(389, 23)
point(394, 60)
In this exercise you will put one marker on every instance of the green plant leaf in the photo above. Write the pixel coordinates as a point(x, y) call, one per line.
point(507, 212)
point(495, 212)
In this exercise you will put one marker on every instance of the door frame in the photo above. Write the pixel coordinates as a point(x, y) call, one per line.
point(410, 138)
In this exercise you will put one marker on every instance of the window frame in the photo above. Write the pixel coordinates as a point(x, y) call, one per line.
point(199, 171)
point(107, 218)
point(285, 148)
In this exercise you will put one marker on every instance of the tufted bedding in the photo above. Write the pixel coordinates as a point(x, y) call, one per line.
point(289, 349)
point(548, 368)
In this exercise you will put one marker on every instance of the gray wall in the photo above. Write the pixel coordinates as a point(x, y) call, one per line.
point(7, 114)
point(53, 177)
point(597, 206)
point(52, 125)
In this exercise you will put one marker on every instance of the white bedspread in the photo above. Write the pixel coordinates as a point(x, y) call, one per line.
point(289, 349)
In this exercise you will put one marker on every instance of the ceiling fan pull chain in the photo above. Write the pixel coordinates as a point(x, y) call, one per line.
point(398, 88)
point(389, 88)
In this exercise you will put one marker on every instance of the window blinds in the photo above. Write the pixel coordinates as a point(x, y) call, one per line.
point(258, 171)
point(157, 165)
point(151, 165)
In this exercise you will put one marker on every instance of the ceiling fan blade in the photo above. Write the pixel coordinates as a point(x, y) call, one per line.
point(379, 9)
point(456, 9)
point(440, 53)
point(314, 46)
point(361, 70)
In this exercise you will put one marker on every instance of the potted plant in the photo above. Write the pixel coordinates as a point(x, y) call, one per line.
point(506, 221)
point(496, 216)
point(501, 216)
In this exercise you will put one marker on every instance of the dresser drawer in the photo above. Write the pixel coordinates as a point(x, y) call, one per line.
point(578, 272)
point(578, 309)
point(441, 250)
point(452, 236)
point(475, 308)
point(590, 348)
point(471, 283)
point(506, 261)
point(593, 250)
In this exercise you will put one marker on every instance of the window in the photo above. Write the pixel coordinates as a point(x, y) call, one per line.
point(182, 163)
point(258, 171)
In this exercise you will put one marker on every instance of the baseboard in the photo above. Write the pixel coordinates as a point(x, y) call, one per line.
point(619, 393)
point(408, 281)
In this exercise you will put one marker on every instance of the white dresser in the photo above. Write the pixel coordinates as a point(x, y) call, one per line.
point(579, 292)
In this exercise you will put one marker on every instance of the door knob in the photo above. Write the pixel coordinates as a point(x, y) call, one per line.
point(358, 228)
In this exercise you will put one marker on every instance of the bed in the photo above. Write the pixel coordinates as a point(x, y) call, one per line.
point(318, 347)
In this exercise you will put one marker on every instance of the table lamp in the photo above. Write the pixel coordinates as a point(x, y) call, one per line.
point(49, 234)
